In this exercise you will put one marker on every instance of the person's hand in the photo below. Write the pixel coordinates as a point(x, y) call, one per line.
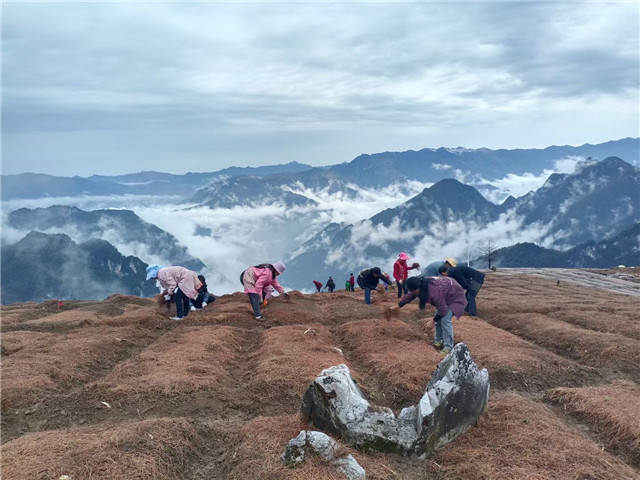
point(428, 325)
point(167, 298)
point(400, 282)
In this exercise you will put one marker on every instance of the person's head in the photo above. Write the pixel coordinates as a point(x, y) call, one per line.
point(413, 285)
point(450, 262)
point(443, 270)
point(403, 257)
point(152, 271)
point(376, 271)
point(279, 267)
point(201, 278)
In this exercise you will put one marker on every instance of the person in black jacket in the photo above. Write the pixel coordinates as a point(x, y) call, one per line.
point(204, 297)
point(368, 280)
point(330, 285)
point(470, 279)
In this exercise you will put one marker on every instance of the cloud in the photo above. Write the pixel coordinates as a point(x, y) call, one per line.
point(194, 84)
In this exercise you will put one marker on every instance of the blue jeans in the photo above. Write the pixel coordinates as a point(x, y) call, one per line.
point(182, 303)
point(255, 303)
point(367, 295)
point(444, 329)
point(471, 293)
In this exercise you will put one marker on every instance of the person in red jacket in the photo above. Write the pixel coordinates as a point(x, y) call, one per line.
point(352, 283)
point(401, 272)
point(318, 285)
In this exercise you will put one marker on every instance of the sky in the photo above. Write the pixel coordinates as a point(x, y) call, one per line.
point(114, 88)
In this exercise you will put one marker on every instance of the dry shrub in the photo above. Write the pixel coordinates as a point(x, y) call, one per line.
point(289, 359)
point(516, 363)
point(152, 449)
point(612, 409)
point(39, 363)
point(397, 360)
point(520, 439)
point(182, 362)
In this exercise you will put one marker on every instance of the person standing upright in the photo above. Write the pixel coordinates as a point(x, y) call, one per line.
point(401, 272)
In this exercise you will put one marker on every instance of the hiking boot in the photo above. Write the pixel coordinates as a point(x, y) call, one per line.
point(446, 350)
point(438, 344)
point(192, 308)
point(176, 318)
point(259, 318)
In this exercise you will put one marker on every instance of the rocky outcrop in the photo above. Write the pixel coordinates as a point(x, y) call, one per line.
point(325, 447)
point(455, 398)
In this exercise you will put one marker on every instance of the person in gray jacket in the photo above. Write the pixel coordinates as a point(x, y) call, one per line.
point(470, 279)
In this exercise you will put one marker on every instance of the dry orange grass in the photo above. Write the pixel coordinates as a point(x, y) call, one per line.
point(39, 363)
point(586, 346)
point(522, 439)
point(148, 450)
point(183, 361)
point(290, 358)
point(613, 410)
point(398, 360)
point(262, 442)
point(516, 363)
point(623, 321)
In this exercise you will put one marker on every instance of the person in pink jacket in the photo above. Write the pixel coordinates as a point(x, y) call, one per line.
point(259, 281)
point(178, 284)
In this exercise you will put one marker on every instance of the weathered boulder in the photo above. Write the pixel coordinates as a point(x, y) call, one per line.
point(325, 447)
point(454, 400)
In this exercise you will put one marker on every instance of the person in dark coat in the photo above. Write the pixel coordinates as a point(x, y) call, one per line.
point(470, 279)
point(318, 285)
point(447, 296)
point(204, 297)
point(331, 285)
point(368, 280)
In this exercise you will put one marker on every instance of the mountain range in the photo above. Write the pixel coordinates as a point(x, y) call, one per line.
point(52, 266)
point(133, 235)
point(303, 215)
point(598, 201)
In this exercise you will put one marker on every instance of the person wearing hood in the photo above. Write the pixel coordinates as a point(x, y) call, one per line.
point(368, 280)
point(178, 284)
point(401, 272)
point(259, 281)
point(318, 285)
point(447, 296)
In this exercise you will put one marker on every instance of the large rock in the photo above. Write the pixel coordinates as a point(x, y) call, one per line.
point(454, 400)
point(325, 447)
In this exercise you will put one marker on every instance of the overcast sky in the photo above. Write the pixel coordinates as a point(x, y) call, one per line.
point(112, 88)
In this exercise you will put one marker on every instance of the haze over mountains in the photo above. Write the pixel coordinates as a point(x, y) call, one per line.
point(338, 219)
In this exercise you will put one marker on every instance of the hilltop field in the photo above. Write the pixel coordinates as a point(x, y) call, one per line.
point(113, 389)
